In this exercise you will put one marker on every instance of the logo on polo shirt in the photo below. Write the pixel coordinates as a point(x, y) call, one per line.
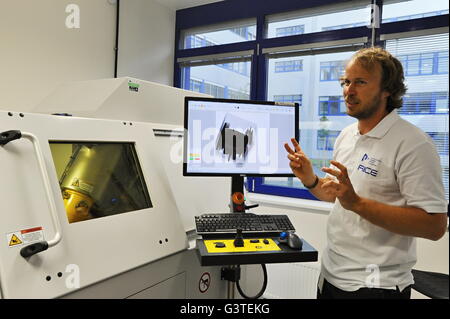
point(369, 165)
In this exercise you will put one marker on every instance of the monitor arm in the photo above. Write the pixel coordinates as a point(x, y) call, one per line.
point(237, 202)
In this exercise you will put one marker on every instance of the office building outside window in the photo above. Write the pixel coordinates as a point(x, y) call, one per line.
point(305, 71)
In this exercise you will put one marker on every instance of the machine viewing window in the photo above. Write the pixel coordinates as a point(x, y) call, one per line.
point(99, 179)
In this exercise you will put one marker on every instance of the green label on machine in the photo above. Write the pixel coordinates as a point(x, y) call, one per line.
point(133, 86)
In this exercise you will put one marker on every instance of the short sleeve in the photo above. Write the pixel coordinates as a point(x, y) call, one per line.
point(419, 176)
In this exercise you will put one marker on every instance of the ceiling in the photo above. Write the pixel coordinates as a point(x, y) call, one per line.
point(182, 4)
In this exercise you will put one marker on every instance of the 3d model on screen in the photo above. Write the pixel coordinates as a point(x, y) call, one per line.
point(236, 137)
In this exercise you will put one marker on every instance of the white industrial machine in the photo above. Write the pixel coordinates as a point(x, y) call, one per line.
point(129, 99)
point(88, 210)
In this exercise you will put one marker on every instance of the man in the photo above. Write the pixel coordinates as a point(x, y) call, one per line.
point(385, 181)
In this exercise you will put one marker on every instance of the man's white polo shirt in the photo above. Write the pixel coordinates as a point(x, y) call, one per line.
point(397, 164)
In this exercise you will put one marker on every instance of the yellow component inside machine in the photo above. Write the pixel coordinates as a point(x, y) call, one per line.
point(248, 245)
point(78, 205)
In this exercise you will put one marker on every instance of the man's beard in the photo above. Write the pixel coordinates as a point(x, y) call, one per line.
point(370, 109)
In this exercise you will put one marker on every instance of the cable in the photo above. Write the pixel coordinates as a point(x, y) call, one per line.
point(260, 293)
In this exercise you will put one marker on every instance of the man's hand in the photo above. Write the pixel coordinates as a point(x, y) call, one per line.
point(407, 221)
point(343, 188)
point(300, 164)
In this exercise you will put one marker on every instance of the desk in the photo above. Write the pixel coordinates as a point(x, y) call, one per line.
point(284, 255)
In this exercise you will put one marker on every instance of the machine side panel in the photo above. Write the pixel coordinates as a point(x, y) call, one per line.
point(92, 250)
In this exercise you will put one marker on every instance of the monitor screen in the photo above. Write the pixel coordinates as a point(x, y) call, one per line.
point(237, 137)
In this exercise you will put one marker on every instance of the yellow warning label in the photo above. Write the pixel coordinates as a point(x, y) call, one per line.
point(76, 182)
point(14, 240)
point(25, 236)
point(250, 245)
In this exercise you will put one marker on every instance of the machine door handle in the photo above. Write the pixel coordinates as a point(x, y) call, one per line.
point(9, 136)
point(35, 248)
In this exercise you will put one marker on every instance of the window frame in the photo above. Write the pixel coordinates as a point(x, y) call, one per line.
point(225, 12)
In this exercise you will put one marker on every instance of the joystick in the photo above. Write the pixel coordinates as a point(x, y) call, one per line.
point(239, 240)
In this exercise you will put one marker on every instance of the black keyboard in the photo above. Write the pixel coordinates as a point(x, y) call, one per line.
point(223, 223)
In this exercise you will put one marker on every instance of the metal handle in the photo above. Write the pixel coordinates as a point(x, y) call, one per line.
point(35, 248)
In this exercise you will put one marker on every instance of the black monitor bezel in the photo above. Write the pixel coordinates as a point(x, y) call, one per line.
point(208, 99)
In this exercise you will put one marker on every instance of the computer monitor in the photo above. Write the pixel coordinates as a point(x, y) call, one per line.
point(226, 137)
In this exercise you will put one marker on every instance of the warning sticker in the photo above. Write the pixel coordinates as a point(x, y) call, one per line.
point(26, 236)
point(205, 282)
point(14, 240)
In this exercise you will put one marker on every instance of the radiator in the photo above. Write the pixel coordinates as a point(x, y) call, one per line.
point(292, 281)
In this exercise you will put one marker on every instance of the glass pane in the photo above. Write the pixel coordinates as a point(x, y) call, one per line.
point(324, 21)
point(99, 179)
point(426, 66)
point(442, 62)
point(226, 80)
point(239, 32)
point(426, 102)
point(279, 181)
point(442, 102)
point(321, 106)
point(331, 71)
point(413, 67)
point(414, 9)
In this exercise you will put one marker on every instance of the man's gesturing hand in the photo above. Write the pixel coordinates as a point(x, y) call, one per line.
point(300, 164)
point(342, 188)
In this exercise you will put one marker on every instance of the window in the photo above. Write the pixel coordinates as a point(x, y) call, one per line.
point(332, 70)
point(442, 62)
point(331, 105)
point(223, 80)
point(299, 55)
point(293, 30)
point(425, 63)
point(318, 130)
point(416, 16)
point(317, 20)
point(289, 66)
point(290, 98)
point(239, 31)
point(426, 102)
point(440, 139)
point(415, 9)
point(197, 41)
point(238, 67)
point(344, 26)
point(247, 33)
point(326, 139)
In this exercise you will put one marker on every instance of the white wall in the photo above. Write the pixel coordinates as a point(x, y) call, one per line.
point(38, 51)
point(146, 41)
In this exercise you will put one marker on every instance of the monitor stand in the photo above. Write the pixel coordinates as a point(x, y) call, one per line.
point(237, 200)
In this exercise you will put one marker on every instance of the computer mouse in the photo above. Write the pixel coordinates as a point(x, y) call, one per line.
point(291, 239)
